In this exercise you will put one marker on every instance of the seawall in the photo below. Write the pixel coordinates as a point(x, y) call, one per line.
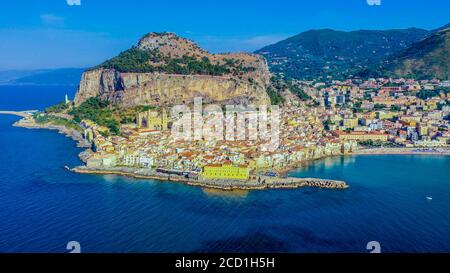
point(223, 184)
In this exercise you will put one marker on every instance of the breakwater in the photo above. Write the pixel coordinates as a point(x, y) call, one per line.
point(257, 183)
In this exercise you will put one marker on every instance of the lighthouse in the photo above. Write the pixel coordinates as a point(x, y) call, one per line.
point(67, 99)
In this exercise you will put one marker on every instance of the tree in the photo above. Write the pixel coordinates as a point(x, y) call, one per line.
point(57, 108)
point(379, 106)
point(395, 108)
point(275, 98)
point(426, 94)
point(99, 111)
point(298, 92)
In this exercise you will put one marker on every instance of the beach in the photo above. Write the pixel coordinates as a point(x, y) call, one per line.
point(403, 151)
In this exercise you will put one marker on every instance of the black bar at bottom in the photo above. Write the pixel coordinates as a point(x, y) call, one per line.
point(225, 262)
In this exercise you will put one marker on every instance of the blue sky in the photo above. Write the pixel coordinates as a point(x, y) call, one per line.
point(51, 33)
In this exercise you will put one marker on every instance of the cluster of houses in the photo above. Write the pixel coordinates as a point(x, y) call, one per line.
point(302, 137)
point(388, 110)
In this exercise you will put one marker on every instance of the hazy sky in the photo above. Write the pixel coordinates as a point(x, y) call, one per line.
point(82, 33)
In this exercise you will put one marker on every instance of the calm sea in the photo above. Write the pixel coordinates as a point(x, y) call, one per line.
point(42, 206)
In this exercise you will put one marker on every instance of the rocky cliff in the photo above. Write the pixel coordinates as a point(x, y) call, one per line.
point(164, 69)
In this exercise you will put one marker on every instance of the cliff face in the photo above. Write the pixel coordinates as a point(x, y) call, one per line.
point(244, 80)
point(157, 89)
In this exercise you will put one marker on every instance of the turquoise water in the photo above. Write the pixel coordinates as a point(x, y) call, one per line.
point(42, 206)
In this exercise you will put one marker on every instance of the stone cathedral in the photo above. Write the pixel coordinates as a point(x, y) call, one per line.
point(153, 120)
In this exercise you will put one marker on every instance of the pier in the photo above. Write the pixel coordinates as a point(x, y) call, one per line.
point(24, 114)
point(222, 184)
point(294, 182)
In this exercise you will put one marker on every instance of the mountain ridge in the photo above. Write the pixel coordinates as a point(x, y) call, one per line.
point(315, 53)
point(425, 59)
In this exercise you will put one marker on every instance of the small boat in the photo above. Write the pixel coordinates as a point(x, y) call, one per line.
point(429, 198)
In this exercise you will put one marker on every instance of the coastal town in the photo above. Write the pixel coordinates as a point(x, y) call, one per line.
point(167, 109)
point(341, 117)
point(374, 113)
point(222, 136)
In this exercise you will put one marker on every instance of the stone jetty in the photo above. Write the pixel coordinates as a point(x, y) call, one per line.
point(259, 183)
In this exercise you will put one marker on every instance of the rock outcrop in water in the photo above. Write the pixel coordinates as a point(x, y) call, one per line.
point(164, 69)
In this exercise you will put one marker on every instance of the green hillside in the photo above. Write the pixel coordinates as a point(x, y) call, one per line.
point(317, 54)
point(426, 59)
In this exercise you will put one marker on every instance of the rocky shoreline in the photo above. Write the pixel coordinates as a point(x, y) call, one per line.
point(29, 123)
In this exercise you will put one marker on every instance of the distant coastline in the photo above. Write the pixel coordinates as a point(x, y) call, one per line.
point(41, 77)
point(37, 84)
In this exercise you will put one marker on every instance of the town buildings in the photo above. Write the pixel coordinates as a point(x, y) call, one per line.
point(345, 115)
point(225, 171)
